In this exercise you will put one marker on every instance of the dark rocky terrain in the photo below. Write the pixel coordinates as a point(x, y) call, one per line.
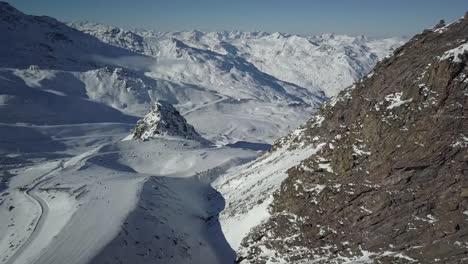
point(391, 183)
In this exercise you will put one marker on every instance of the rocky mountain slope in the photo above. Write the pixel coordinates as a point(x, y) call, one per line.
point(384, 180)
point(115, 36)
point(163, 120)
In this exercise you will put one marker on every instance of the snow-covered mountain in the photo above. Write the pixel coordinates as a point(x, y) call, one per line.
point(115, 36)
point(325, 63)
point(202, 84)
point(43, 41)
point(272, 81)
point(163, 120)
point(72, 191)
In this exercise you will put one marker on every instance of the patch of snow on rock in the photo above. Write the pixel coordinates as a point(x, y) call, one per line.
point(456, 53)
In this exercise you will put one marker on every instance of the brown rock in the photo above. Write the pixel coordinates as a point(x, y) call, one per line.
point(399, 169)
point(464, 192)
point(440, 24)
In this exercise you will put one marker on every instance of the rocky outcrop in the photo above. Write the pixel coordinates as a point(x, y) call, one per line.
point(115, 36)
point(164, 120)
point(390, 184)
point(440, 24)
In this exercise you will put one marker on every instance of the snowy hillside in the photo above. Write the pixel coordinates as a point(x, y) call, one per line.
point(43, 41)
point(133, 201)
point(249, 189)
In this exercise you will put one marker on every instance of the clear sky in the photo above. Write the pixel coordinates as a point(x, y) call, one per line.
point(374, 18)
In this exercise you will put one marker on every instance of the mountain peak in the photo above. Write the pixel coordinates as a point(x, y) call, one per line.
point(6, 7)
point(6, 10)
point(164, 120)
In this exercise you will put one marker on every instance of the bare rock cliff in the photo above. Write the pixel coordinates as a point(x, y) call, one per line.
point(391, 183)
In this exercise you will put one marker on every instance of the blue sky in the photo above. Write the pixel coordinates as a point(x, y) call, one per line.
point(374, 18)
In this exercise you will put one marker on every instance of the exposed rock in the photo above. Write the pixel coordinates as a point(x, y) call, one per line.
point(440, 24)
point(164, 120)
point(115, 36)
point(464, 192)
point(393, 171)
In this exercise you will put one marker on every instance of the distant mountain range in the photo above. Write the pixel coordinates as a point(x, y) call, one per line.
point(273, 82)
point(325, 63)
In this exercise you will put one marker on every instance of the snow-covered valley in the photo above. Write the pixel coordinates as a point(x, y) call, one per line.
point(81, 182)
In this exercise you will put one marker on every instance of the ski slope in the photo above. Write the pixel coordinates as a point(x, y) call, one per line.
point(84, 206)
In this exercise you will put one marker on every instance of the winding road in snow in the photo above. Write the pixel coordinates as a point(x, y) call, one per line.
point(43, 211)
point(223, 98)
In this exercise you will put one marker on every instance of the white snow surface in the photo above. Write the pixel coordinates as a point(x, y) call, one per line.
point(395, 100)
point(249, 189)
point(79, 208)
point(454, 54)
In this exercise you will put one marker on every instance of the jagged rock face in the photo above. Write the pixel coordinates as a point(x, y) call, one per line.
point(164, 120)
point(115, 36)
point(391, 183)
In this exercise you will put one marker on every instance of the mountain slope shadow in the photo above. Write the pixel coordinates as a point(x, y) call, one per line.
point(55, 45)
point(175, 221)
point(250, 145)
point(21, 139)
point(22, 103)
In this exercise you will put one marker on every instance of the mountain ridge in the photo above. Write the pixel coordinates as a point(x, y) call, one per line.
point(163, 120)
point(388, 181)
point(357, 55)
